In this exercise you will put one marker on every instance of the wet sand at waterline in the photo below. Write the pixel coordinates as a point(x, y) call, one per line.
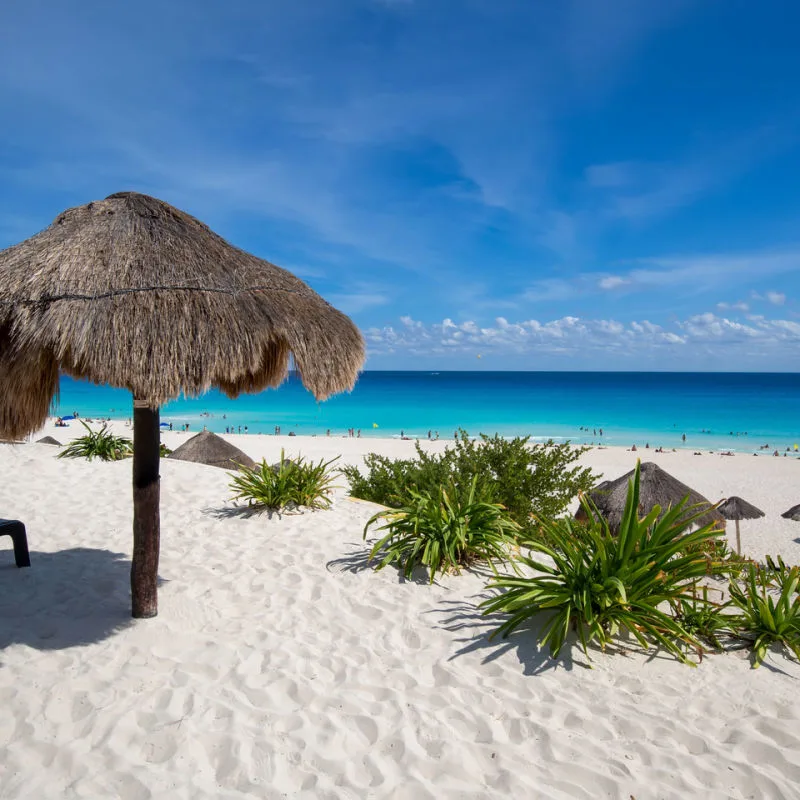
point(280, 666)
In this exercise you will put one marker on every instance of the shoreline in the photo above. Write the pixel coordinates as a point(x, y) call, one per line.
point(122, 424)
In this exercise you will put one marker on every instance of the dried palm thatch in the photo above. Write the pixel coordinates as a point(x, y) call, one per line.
point(48, 440)
point(737, 509)
point(208, 448)
point(657, 488)
point(793, 514)
point(131, 292)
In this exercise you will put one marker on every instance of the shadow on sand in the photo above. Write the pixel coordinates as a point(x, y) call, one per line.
point(72, 597)
point(247, 512)
point(461, 617)
point(358, 560)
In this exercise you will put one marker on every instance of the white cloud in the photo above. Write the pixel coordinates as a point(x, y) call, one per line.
point(612, 282)
point(776, 298)
point(715, 334)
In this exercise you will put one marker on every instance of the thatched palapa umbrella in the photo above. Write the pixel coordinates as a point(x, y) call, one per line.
point(656, 488)
point(212, 450)
point(793, 513)
point(131, 292)
point(736, 509)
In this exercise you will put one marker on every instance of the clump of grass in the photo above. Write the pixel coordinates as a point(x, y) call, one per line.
point(444, 530)
point(765, 619)
point(703, 619)
point(98, 444)
point(287, 484)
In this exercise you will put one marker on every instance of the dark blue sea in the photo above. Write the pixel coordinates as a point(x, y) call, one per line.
point(738, 411)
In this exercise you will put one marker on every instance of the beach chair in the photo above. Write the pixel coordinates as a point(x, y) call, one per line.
point(16, 530)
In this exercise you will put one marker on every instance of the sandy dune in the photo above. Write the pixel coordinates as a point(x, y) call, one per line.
point(280, 666)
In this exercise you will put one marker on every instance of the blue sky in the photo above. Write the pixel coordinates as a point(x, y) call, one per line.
point(589, 184)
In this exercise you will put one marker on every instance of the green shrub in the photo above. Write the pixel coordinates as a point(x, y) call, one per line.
point(765, 620)
point(525, 479)
point(163, 450)
point(98, 444)
point(443, 531)
point(287, 484)
point(600, 584)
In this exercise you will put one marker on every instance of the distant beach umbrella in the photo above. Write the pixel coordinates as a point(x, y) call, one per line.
point(131, 292)
point(793, 513)
point(212, 450)
point(656, 488)
point(48, 440)
point(737, 509)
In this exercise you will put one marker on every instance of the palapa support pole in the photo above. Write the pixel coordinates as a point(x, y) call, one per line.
point(146, 522)
point(738, 539)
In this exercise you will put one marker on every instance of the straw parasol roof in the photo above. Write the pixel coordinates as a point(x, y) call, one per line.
point(131, 292)
point(48, 440)
point(656, 488)
point(793, 513)
point(208, 448)
point(736, 508)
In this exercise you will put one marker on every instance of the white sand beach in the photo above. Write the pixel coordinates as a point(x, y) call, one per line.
point(280, 665)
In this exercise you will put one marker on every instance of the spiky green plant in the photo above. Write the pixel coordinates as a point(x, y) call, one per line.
point(444, 530)
point(764, 619)
point(778, 573)
point(599, 584)
point(703, 619)
point(163, 450)
point(290, 483)
point(98, 444)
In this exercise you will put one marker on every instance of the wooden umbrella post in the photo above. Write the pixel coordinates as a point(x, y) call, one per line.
point(146, 522)
point(738, 539)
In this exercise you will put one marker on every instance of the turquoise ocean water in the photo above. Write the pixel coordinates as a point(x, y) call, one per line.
point(656, 408)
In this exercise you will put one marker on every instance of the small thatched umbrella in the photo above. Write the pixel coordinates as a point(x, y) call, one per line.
point(208, 448)
point(656, 488)
point(131, 292)
point(48, 440)
point(735, 508)
point(793, 513)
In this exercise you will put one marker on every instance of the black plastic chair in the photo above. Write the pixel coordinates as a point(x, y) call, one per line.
point(16, 530)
